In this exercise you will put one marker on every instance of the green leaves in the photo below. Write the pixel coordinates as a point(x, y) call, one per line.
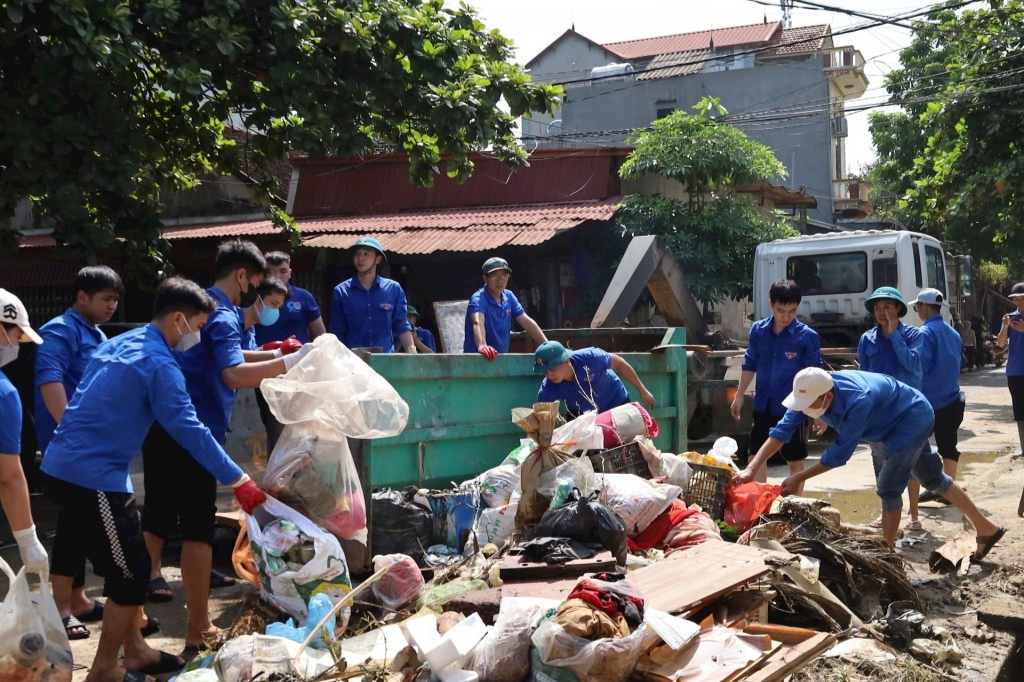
point(104, 103)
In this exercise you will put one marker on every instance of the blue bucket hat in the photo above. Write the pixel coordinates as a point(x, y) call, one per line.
point(549, 355)
point(370, 243)
point(886, 294)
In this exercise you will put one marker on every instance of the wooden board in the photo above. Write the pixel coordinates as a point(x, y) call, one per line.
point(451, 324)
point(546, 589)
point(686, 580)
point(514, 568)
point(793, 659)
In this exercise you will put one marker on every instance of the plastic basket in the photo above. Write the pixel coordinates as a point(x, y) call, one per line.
point(625, 459)
point(707, 488)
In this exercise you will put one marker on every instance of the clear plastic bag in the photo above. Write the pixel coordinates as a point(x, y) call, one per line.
point(33, 644)
point(401, 585)
point(602, 660)
point(334, 388)
point(504, 654)
point(579, 471)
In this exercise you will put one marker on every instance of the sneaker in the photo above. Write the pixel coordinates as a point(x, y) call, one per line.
point(929, 496)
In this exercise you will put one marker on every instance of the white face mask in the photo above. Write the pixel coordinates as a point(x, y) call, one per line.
point(9, 352)
point(187, 341)
point(817, 413)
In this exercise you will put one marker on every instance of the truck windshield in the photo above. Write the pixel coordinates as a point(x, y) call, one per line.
point(833, 273)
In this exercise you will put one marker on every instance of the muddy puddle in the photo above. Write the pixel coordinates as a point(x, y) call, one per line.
point(861, 506)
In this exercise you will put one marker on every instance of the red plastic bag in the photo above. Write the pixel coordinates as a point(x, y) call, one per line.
point(745, 503)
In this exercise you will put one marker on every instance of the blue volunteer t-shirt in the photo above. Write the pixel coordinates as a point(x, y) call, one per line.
point(220, 348)
point(297, 313)
point(776, 358)
point(10, 418)
point(898, 356)
point(369, 318)
point(427, 338)
point(870, 408)
point(69, 342)
point(1015, 353)
point(497, 319)
point(132, 382)
point(596, 385)
point(940, 362)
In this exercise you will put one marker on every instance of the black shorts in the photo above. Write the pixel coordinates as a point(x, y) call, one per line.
point(1016, 384)
point(105, 528)
point(180, 494)
point(947, 422)
point(793, 451)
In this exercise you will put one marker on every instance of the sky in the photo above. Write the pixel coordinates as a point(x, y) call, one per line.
point(533, 25)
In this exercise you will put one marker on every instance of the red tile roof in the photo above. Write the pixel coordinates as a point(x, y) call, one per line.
point(815, 40)
point(696, 40)
point(420, 232)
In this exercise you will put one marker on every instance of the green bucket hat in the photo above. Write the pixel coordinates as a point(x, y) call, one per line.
point(410, 310)
point(549, 355)
point(883, 294)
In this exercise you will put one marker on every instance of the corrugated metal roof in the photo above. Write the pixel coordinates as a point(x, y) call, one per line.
point(246, 228)
point(675, 64)
point(815, 40)
point(696, 40)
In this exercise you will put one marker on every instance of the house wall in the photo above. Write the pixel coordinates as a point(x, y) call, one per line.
point(803, 145)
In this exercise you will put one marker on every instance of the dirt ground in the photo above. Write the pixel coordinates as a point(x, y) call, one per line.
point(993, 477)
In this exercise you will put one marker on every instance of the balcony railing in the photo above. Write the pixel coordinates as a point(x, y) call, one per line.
point(843, 58)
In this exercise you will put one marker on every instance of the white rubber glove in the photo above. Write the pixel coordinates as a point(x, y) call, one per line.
point(33, 554)
point(293, 359)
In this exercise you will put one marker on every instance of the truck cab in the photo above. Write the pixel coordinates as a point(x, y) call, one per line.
point(838, 272)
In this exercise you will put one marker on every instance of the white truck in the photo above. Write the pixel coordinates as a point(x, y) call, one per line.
point(837, 273)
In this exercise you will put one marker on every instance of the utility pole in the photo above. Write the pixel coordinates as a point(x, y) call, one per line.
point(787, 13)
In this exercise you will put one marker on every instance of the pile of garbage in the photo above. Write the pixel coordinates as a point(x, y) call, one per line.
point(586, 555)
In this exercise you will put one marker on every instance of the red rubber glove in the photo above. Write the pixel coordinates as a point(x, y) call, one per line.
point(290, 345)
point(488, 352)
point(250, 496)
point(272, 345)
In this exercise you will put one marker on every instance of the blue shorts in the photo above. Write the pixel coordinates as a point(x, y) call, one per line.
point(894, 469)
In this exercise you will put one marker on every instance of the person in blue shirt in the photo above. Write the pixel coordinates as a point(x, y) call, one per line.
point(779, 347)
point(872, 408)
point(1011, 333)
point(271, 297)
point(491, 311)
point(132, 382)
point(941, 350)
point(585, 379)
point(300, 316)
point(15, 330)
point(890, 347)
point(215, 366)
point(368, 311)
point(424, 339)
point(69, 343)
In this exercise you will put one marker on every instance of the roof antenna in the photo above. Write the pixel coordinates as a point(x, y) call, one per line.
point(573, 19)
point(787, 13)
point(766, 17)
point(711, 46)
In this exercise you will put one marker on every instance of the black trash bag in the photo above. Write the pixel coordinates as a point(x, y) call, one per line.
point(398, 524)
point(558, 550)
point(587, 520)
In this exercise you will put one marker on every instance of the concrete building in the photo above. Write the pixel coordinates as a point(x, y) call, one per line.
point(784, 87)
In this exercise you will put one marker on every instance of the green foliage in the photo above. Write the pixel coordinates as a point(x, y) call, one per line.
point(995, 276)
point(700, 153)
point(714, 241)
point(953, 155)
point(104, 103)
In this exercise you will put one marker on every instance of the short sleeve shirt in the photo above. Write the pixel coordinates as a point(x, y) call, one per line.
point(596, 385)
point(427, 338)
point(940, 362)
point(297, 313)
point(69, 342)
point(220, 347)
point(369, 318)
point(776, 358)
point(1015, 353)
point(10, 418)
point(497, 319)
point(898, 356)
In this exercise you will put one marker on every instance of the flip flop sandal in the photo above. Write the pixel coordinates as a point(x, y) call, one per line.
point(158, 584)
point(74, 628)
point(134, 676)
point(914, 524)
point(168, 663)
point(218, 579)
point(94, 616)
point(152, 627)
point(877, 523)
point(988, 543)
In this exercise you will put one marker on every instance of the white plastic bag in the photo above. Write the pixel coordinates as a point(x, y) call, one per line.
point(722, 452)
point(33, 643)
point(325, 573)
point(582, 433)
point(495, 525)
point(637, 501)
point(601, 660)
point(497, 485)
point(333, 387)
point(504, 654)
point(674, 469)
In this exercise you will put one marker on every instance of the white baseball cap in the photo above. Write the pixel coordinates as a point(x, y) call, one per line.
point(931, 297)
point(808, 385)
point(12, 311)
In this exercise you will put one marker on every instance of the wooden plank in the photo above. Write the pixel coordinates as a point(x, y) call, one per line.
point(794, 659)
point(686, 580)
point(546, 589)
point(516, 568)
point(781, 633)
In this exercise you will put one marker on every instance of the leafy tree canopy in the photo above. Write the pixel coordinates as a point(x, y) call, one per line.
point(953, 154)
point(715, 233)
point(104, 103)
